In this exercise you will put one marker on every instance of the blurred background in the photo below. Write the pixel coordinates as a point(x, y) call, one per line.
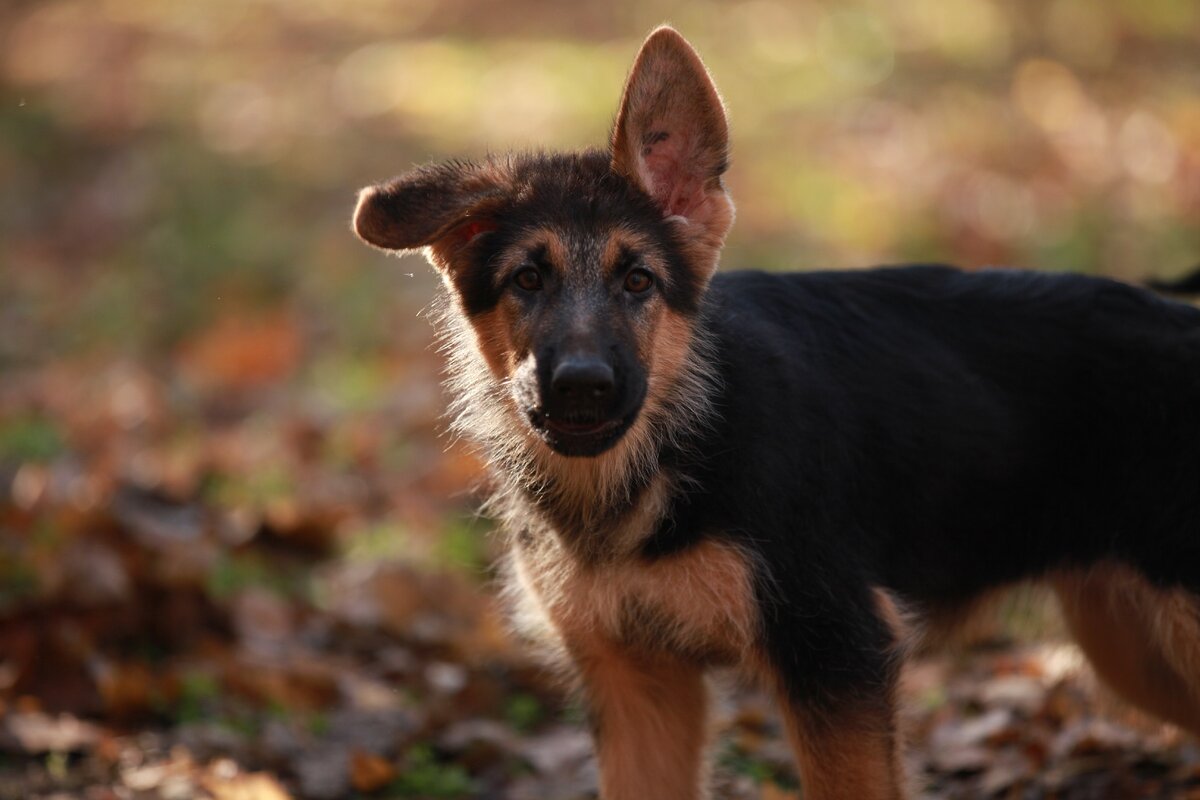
point(238, 556)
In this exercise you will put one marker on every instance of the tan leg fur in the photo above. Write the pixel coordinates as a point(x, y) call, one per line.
point(855, 751)
point(847, 756)
point(651, 725)
point(1143, 641)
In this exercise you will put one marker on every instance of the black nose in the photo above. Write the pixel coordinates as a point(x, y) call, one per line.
point(583, 379)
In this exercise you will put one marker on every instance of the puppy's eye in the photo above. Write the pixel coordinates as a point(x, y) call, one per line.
point(638, 281)
point(528, 278)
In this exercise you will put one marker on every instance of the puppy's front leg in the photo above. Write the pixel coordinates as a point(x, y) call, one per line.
point(650, 715)
point(836, 677)
point(847, 752)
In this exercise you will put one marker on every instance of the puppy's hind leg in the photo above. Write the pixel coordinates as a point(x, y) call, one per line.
point(1143, 641)
point(650, 715)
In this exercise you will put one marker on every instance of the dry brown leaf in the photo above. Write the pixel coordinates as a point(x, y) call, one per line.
point(264, 621)
point(297, 683)
point(370, 772)
point(250, 786)
point(242, 351)
point(772, 792)
point(127, 687)
point(36, 732)
point(557, 749)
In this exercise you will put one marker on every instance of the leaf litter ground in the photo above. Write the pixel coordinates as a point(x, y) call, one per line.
point(212, 587)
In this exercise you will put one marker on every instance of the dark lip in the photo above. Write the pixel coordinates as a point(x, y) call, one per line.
point(578, 438)
point(580, 428)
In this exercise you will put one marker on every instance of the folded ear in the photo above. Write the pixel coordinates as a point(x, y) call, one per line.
point(671, 135)
point(443, 207)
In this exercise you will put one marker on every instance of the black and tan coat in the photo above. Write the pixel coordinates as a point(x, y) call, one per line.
point(793, 475)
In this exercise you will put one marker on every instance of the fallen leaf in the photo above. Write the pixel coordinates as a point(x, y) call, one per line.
point(250, 786)
point(1093, 737)
point(370, 772)
point(770, 791)
point(1019, 692)
point(36, 732)
point(242, 351)
point(557, 749)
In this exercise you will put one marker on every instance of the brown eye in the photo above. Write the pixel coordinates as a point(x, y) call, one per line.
point(638, 281)
point(528, 279)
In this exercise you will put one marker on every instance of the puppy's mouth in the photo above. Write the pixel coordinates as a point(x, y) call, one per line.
point(580, 428)
point(578, 437)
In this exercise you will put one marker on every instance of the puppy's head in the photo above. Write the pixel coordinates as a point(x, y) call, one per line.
point(580, 273)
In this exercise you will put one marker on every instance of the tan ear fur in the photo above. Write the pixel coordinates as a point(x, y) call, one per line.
point(671, 137)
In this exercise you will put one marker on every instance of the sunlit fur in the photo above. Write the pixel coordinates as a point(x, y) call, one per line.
point(826, 467)
point(650, 716)
point(638, 635)
point(853, 757)
point(678, 401)
point(694, 605)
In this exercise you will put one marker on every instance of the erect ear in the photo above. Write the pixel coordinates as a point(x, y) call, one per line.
point(442, 207)
point(672, 138)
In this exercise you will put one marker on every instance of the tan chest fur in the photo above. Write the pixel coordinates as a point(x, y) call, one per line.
point(697, 604)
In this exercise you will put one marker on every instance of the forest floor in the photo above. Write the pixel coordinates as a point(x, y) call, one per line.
point(212, 588)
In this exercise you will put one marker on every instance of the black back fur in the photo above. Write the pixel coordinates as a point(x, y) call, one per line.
point(938, 433)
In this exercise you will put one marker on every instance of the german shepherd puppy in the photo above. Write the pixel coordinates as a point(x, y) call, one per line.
point(793, 474)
